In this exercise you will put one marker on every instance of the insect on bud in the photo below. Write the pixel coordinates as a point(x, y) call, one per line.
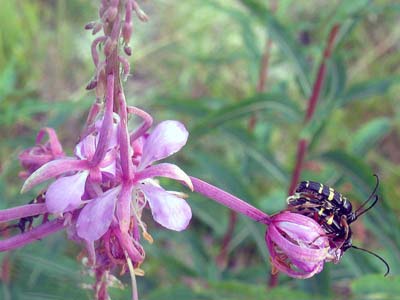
point(297, 244)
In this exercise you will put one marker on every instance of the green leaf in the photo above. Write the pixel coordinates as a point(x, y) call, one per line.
point(264, 159)
point(369, 135)
point(376, 287)
point(366, 89)
point(348, 9)
point(285, 41)
point(278, 105)
point(352, 166)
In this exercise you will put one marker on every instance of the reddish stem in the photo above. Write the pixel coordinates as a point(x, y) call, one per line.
point(312, 104)
point(301, 153)
point(222, 257)
point(262, 79)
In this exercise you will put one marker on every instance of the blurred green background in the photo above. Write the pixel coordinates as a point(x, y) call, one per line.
point(198, 62)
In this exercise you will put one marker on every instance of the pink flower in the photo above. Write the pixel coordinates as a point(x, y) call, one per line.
point(123, 201)
point(298, 245)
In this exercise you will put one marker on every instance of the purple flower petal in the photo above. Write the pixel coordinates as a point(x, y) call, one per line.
point(166, 139)
point(95, 218)
point(52, 169)
point(168, 210)
point(86, 148)
point(164, 170)
point(65, 193)
point(298, 245)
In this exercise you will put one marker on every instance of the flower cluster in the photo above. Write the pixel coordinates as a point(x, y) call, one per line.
point(99, 194)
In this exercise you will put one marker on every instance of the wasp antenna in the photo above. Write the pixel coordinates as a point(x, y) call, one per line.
point(369, 198)
point(377, 256)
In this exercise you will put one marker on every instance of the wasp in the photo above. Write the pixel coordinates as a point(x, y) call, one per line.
point(334, 212)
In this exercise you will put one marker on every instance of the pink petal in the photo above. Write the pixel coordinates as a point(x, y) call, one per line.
point(301, 253)
point(86, 148)
point(166, 139)
point(65, 193)
point(95, 218)
point(123, 210)
point(164, 170)
point(55, 145)
point(52, 169)
point(168, 210)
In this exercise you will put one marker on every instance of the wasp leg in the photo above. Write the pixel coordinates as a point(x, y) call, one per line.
point(345, 225)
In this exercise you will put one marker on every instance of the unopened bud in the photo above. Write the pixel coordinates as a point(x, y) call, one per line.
point(109, 46)
point(110, 14)
point(128, 50)
point(90, 25)
point(140, 13)
point(101, 85)
point(127, 32)
point(92, 84)
point(97, 28)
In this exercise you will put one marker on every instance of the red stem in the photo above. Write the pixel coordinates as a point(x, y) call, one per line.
point(312, 104)
point(223, 253)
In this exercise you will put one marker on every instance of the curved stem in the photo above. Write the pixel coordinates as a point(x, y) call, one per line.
point(228, 200)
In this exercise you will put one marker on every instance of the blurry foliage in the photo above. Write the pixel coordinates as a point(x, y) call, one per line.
point(198, 61)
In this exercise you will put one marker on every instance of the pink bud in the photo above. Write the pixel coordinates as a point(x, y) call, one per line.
point(109, 46)
point(128, 50)
point(90, 25)
point(127, 32)
point(298, 245)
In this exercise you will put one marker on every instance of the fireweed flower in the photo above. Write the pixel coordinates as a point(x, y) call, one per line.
point(100, 193)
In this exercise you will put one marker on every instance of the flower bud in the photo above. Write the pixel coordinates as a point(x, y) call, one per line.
point(298, 245)
point(90, 25)
point(109, 46)
point(127, 32)
point(128, 50)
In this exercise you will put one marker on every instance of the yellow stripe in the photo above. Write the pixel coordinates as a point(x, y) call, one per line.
point(331, 194)
point(321, 211)
point(330, 220)
point(307, 184)
point(320, 188)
